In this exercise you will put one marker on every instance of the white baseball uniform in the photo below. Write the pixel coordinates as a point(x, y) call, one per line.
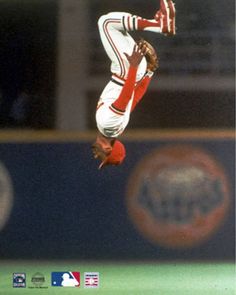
point(113, 28)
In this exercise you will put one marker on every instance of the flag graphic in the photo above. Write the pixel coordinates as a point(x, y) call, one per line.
point(66, 279)
point(91, 279)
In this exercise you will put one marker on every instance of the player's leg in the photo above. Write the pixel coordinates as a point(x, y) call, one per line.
point(116, 40)
point(163, 21)
point(114, 28)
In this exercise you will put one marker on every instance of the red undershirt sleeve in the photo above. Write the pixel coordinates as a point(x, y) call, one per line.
point(127, 90)
point(140, 90)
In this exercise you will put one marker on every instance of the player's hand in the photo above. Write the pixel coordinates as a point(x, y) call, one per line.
point(137, 55)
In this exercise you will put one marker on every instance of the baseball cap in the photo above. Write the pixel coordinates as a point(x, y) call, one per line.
point(116, 156)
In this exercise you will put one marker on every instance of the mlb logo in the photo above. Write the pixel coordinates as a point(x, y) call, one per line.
point(91, 279)
point(19, 280)
point(66, 279)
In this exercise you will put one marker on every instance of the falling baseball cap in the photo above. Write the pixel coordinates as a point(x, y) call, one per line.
point(116, 156)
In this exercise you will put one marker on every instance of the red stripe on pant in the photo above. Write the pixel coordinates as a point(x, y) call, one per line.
point(113, 46)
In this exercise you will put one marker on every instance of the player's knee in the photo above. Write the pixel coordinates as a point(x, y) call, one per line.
point(101, 20)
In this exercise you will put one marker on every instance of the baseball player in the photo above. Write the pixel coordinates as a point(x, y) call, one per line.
point(132, 67)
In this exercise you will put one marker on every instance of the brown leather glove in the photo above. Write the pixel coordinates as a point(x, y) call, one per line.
point(151, 55)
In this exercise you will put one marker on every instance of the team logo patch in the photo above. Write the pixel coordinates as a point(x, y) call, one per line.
point(178, 196)
point(19, 280)
point(66, 279)
point(38, 281)
point(91, 280)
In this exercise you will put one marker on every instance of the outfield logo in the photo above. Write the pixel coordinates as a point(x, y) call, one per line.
point(178, 196)
point(19, 280)
point(6, 195)
point(66, 279)
point(91, 280)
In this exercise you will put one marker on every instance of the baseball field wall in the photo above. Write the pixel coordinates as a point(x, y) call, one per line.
point(173, 197)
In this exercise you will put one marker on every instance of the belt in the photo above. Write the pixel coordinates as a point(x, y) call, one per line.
point(116, 82)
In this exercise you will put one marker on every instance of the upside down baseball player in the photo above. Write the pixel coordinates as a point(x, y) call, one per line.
point(132, 67)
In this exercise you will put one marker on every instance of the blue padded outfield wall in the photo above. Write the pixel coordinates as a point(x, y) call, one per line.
point(173, 198)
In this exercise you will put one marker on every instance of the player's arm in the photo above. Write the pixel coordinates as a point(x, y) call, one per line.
point(140, 90)
point(134, 60)
point(152, 65)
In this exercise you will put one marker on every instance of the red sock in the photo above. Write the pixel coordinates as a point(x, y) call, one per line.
point(135, 23)
point(145, 24)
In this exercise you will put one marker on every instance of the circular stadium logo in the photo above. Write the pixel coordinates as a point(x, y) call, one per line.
point(178, 196)
point(6, 195)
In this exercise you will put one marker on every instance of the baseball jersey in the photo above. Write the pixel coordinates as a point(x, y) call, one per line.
point(111, 122)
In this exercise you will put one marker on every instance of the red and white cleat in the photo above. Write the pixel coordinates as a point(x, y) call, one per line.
point(167, 14)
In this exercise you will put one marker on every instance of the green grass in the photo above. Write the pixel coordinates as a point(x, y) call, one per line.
point(137, 278)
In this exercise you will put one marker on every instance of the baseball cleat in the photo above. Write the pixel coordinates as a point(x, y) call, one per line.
point(172, 17)
point(164, 12)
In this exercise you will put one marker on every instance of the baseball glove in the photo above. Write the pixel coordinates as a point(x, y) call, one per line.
point(151, 55)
